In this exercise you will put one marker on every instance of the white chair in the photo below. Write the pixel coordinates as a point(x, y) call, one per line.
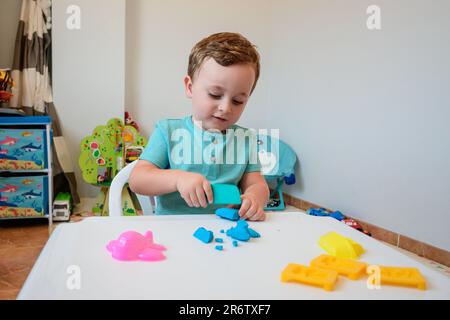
point(115, 193)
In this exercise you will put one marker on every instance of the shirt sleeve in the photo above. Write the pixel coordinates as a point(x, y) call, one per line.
point(156, 150)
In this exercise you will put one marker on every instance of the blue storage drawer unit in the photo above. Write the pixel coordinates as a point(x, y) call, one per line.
point(23, 196)
point(23, 149)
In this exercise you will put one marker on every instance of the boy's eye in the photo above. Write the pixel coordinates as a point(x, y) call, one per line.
point(215, 96)
point(237, 102)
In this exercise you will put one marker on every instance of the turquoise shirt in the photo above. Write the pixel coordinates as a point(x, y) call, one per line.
point(221, 158)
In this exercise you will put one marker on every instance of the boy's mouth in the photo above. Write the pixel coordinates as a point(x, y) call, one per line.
point(220, 118)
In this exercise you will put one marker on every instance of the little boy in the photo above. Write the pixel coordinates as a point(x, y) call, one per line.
point(222, 73)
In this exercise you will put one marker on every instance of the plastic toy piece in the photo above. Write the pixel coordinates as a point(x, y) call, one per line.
point(220, 248)
point(235, 243)
point(346, 267)
point(204, 235)
point(226, 194)
point(220, 240)
point(340, 246)
point(228, 213)
point(222, 231)
point(309, 275)
point(409, 277)
point(322, 212)
point(132, 245)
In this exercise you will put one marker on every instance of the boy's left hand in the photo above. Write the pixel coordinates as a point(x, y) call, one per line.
point(251, 209)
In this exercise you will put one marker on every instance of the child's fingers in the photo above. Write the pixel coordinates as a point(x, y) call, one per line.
point(251, 211)
point(187, 198)
point(194, 199)
point(259, 216)
point(201, 196)
point(246, 204)
point(208, 190)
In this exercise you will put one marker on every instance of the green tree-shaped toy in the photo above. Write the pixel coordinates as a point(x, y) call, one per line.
point(102, 153)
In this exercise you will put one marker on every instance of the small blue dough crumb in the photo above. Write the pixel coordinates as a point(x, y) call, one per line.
point(220, 240)
point(235, 243)
point(220, 248)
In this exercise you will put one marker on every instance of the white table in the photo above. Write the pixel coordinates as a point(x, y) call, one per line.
point(194, 270)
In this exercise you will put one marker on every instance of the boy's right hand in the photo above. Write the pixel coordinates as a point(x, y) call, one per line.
point(195, 189)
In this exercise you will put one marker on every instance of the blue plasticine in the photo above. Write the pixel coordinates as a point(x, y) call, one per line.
point(222, 231)
point(220, 248)
point(238, 233)
point(235, 243)
point(226, 194)
point(220, 240)
point(228, 213)
point(253, 233)
point(242, 224)
point(203, 235)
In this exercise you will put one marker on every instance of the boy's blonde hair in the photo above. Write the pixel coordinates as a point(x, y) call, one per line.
point(226, 49)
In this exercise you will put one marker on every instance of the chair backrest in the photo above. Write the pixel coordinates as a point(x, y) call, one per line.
point(115, 193)
point(277, 158)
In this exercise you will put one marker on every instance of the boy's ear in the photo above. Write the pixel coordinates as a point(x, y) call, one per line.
point(188, 86)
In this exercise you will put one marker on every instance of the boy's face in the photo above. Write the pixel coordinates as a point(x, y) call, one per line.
point(219, 94)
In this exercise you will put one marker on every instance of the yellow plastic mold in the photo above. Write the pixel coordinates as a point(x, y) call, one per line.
point(309, 275)
point(346, 267)
point(409, 277)
point(340, 246)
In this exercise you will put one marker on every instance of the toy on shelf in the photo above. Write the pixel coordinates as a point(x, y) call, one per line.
point(340, 246)
point(132, 245)
point(130, 122)
point(6, 83)
point(309, 275)
point(346, 267)
point(102, 157)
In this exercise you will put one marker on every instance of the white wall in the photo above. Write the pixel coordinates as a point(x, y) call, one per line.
point(9, 20)
point(366, 111)
point(160, 36)
point(88, 71)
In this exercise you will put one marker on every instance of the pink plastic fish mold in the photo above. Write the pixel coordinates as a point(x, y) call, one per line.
point(132, 245)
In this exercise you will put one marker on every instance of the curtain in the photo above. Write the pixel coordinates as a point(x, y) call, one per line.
point(33, 91)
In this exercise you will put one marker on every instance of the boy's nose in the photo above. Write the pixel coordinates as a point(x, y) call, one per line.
point(225, 107)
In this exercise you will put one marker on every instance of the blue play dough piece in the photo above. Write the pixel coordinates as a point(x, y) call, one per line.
point(242, 232)
point(204, 235)
point(220, 240)
point(226, 194)
point(228, 213)
point(238, 234)
point(220, 248)
point(235, 243)
point(222, 231)
point(253, 233)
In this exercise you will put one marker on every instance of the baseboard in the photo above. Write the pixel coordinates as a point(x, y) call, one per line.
point(422, 249)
